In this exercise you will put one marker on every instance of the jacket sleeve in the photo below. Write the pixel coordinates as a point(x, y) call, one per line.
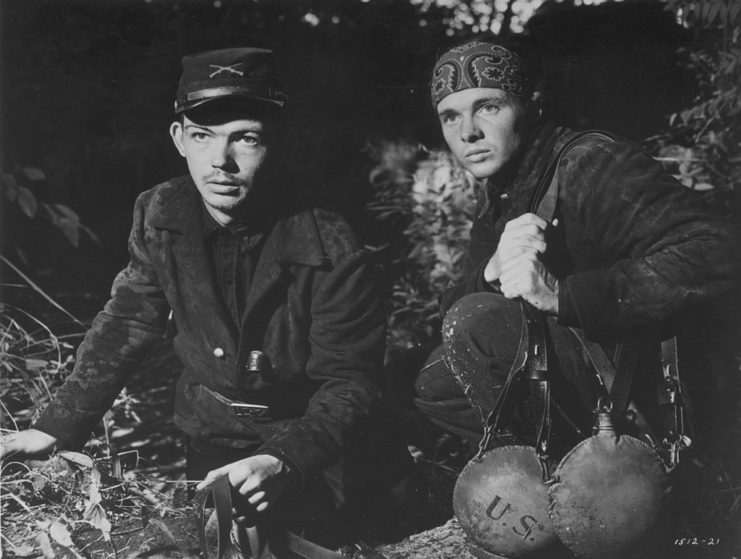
point(131, 321)
point(664, 249)
point(347, 338)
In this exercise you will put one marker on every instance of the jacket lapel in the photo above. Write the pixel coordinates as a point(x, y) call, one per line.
point(294, 239)
point(180, 213)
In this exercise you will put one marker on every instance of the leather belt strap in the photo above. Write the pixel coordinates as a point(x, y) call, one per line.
point(264, 544)
point(221, 493)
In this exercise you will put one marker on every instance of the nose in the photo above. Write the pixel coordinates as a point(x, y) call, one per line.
point(470, 131)
point(220, 154)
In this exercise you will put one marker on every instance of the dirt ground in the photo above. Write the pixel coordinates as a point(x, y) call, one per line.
point(60, 508)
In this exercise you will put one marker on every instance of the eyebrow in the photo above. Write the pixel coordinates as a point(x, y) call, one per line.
point(499, 99)
point(252, 129)
point(447, 112)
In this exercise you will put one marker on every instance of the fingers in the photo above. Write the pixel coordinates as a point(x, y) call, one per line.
point(527, 221)
point(520, 276)
point(250, 485)
point(257, 500)
point(8, 446)
point(258, 481)
point(523, 234)
point(29, 443)
point(526, 276)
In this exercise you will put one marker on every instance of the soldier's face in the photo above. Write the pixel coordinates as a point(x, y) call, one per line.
point(484, 128)
point(226, 156)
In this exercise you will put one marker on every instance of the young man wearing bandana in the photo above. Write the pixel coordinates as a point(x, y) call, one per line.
point(628, 253)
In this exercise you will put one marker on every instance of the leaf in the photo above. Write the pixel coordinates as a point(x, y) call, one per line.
point(60, 534)
point(78, 459)
point(67, 221)
point(703, 186)
point(11, 185)
point(34, 174)
point(27, 201)
point(39, 483)
point(23, 550)
point(45, 544)
point(97, 517)
point(67, 212)
point(91, 234)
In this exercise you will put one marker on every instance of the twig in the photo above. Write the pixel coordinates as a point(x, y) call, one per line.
point(10, 415)
point(21, 503)
point(40, 291)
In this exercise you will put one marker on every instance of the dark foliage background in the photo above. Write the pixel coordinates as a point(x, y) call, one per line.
point(86, 92)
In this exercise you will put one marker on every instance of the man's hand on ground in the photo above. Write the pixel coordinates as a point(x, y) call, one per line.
point(31, 443)
point(525, 276)
point(523, 235)
point(260, 480)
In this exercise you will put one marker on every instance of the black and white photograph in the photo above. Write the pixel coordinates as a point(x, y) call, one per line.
point(370, 279)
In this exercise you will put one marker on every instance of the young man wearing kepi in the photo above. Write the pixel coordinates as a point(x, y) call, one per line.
point(279, 327)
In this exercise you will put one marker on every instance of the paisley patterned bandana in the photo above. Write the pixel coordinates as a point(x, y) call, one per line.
point(479, 64)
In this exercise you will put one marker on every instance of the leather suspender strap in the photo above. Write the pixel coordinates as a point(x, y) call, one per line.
point(626, 359)
point(671, 395)
point(536, 365)
point(536, 371)
point(617, 379)
point(545, 198)
point(604, 372)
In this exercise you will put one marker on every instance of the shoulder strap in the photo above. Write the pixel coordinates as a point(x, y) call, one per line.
point(545, 199)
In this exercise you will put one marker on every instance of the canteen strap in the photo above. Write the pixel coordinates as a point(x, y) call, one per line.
point(672, 395)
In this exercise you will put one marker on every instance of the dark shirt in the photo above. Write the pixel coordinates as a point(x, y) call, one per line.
point(233, 251)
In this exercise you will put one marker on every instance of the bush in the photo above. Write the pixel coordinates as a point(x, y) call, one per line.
point(702, 144)
point(426, 200)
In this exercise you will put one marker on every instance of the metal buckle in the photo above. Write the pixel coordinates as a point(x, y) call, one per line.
point(249, 410)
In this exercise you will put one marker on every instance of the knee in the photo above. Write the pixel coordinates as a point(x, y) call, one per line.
point(482, 319)
point(435, 381)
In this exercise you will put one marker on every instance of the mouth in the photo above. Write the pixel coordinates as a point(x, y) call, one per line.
point(224, 188)
point(476, 155)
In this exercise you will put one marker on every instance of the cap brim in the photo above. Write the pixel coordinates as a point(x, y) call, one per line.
point(247, 96)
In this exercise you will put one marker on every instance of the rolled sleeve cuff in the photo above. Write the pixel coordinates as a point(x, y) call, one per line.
point(298, 479)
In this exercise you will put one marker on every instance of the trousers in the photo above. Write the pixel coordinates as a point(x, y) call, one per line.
point(460, 380)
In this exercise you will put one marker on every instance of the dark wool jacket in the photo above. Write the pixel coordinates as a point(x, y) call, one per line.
point(312, 309)
point(633, 248)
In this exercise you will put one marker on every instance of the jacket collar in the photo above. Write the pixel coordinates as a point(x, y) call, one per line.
point(293, 238)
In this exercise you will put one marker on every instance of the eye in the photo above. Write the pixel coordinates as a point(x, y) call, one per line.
point(449, 118)
point(489, 108)
point(250, 140)
point(199, 136)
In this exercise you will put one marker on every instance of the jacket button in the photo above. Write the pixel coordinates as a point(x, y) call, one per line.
point(218, 352)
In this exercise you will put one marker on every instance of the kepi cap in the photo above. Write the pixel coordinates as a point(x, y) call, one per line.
point(238, 72)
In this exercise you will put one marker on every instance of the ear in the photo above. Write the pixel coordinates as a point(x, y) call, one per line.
point(176, 133)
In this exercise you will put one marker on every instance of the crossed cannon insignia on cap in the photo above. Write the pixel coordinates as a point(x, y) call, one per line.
point(219, 69)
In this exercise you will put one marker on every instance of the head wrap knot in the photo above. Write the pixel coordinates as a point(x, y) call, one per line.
point(479, 64)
